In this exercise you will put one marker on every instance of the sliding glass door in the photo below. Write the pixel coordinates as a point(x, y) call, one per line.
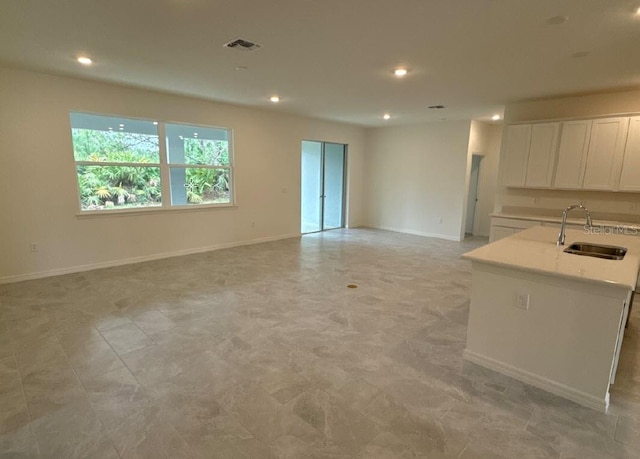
point(322, 194)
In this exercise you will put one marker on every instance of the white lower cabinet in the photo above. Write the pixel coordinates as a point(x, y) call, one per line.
point(500, 232)
point(504, 227)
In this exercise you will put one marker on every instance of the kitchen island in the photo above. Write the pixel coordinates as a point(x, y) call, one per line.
point(552, 319)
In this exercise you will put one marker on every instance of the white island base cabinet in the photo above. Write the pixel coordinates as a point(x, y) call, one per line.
point(559, 334)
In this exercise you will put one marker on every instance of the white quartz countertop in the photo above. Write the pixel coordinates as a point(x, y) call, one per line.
point(572, 220)
point(535, 250)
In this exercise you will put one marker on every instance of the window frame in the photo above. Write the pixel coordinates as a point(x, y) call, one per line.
point(165, 184)
point(185, 166)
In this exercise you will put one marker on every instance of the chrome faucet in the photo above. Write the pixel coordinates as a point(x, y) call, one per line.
point(564, 221)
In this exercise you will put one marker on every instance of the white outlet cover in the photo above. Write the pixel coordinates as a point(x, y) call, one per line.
point(522, 301)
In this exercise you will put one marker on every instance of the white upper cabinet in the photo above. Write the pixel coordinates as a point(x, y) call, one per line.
point(606, 150)
point(542, 155)
point(572, 154)
point(630, 178)
point(516, 154)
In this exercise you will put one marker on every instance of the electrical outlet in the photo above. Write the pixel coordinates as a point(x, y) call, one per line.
point(253, 224)
point(33, 247)
point(522, 301)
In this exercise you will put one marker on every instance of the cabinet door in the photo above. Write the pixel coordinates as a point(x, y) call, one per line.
point(516, 154)
point(630, 178)
point(500, 232)
point(572, 154)
point(542, 155)
point(606, 149)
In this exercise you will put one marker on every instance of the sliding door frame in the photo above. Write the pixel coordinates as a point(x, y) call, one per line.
point(323, 196)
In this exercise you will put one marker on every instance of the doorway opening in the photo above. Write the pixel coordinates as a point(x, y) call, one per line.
point(472, 201)
point(322, 186)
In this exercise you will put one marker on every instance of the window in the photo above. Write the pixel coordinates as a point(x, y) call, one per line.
point(121, 163)
point(117, 162)
point(198, 160)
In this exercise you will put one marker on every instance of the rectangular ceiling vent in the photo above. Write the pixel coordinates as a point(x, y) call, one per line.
point(242, 44)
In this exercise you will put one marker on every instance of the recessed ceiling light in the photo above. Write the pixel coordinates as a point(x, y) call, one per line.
point(556, 20)
point(400, 72)
point(495, 117)
point(84, 60)
point(274, 99)
point(386, 116)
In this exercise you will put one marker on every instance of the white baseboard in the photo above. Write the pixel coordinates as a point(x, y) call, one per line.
point(415, 233)
point(129, 261)
point(591, 401)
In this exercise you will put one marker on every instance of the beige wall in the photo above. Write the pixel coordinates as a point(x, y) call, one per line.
point(615, 204)
point(614, 103)
point(484, 139)
point(38, 192)
point(416, 176)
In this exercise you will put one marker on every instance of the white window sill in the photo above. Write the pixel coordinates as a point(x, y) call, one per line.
point(152, 210)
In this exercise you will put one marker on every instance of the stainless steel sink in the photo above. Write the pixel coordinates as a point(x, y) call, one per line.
point(608, 252)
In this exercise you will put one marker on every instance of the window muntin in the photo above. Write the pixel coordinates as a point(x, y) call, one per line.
point(120, 163)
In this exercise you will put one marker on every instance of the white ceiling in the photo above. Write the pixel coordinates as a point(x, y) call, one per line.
point(333, 59)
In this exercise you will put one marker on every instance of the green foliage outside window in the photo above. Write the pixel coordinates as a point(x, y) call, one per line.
point(205, 185)
point(108, 186)
point(136, 183)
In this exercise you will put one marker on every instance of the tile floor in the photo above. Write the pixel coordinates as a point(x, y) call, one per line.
point(263, 352)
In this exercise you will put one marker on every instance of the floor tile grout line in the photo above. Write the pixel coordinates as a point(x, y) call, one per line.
point(121, 359)
point(26, 402)
point(466, 446)
point(144, 387)
point(103, 428)
point(323, 435)
point(527, 424)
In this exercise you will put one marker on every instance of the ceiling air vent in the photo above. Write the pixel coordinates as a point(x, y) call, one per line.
point(242, 44)
point(437, 107)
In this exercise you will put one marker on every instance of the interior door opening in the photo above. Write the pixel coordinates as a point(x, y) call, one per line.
point(322, 186)
point(472, 201)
